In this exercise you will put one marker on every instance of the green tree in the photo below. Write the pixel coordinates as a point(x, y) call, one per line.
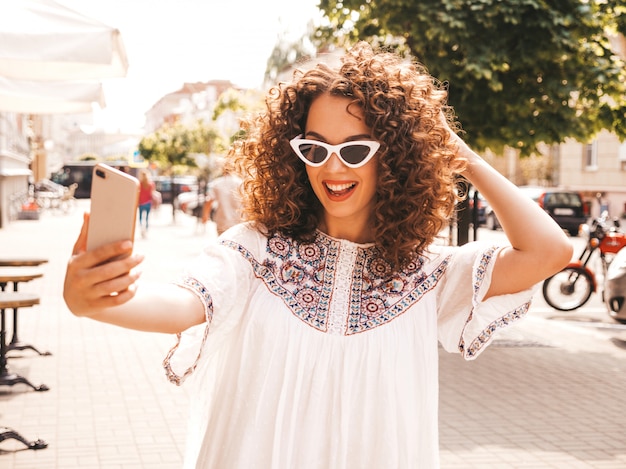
point(287, 52)
point(234, 104)
point(175, 145)
point(519, 72)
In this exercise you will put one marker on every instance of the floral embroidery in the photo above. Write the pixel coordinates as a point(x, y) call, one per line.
point(481, 270)
point(198, 289)
point(279, 247)
point(487, 334)
point(379, 268)
point(339, 287)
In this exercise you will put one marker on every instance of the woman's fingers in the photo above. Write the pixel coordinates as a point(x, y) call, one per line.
point(88, 291)
point(100, 278)
point(81, 243)
point(114, 277)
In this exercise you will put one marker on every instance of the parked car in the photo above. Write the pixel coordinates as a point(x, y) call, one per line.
point(564, 206)
point(182, 184)
point(80, 173)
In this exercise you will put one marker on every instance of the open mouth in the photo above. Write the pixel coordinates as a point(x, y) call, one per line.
point(340, 190)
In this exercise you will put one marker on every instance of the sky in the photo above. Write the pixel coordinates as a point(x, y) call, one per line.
point(171, 42)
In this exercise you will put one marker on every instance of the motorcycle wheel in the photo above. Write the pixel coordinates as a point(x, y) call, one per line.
point(568, 289)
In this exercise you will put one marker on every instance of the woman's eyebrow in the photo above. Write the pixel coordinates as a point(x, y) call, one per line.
point(316, 136)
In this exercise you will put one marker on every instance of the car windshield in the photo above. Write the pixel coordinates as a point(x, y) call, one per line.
point(563, 199)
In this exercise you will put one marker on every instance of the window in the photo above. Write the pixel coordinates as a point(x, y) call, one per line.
point(621, 152)
point(621, 156)
point(590, 156)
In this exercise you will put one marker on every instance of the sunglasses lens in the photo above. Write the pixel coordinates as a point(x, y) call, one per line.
point(354, 154)
point(314, 153)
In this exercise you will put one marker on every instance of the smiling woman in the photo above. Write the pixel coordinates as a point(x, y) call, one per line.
point(312, 328)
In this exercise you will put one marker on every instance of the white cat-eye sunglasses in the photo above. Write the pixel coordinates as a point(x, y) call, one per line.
point(352, 154)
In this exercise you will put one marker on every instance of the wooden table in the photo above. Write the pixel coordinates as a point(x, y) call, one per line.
point(13, 300)
point(22, 261)
point(16, 275)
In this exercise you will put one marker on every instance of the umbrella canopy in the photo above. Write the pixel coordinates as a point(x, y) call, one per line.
point(43, 40)
point(39, 97)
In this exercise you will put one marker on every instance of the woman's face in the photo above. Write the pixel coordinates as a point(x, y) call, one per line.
point(347, 194)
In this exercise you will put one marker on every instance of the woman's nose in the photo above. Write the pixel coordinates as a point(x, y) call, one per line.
point(335, 163)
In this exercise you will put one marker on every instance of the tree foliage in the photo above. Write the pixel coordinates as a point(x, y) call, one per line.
point(232, 105)
point(519, 72)
point(287, 52)
point(174, 144)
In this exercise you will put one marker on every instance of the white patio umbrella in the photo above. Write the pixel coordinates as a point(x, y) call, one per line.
point(43, 40)
point(41, 97)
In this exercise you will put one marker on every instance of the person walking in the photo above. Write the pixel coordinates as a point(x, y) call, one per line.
point(224, 201)
point(146, 189)
point(309, 333)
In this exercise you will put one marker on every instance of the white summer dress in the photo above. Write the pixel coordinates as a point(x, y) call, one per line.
point(319, 356)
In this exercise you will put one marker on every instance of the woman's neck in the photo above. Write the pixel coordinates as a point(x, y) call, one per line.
point(360, 233)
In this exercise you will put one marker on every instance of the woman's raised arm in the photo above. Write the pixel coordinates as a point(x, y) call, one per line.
point(539, 247)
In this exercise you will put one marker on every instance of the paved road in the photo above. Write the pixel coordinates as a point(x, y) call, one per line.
point(548, 393)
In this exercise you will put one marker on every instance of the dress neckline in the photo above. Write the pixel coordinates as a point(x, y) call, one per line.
point(344, 241)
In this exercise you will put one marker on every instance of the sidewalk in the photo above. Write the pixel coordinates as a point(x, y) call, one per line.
point(544, 395)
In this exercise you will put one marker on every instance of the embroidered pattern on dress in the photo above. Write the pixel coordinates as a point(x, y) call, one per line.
point(481, 270)
point(486, 335)
point(199, 290)
point(311, 276)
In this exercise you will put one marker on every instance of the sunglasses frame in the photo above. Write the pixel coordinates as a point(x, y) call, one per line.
point(371, 144)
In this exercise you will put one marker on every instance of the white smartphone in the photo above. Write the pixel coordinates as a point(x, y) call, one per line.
point(114, 201)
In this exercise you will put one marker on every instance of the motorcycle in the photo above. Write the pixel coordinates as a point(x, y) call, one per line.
point(572, 287)
point(615, 287)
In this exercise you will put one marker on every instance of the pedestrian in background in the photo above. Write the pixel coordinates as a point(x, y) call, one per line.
point(310, 332)
point(223, 201)
point(146, 189)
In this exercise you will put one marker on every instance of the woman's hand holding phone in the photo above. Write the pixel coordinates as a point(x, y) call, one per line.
point(103, 273)
point(93, 281)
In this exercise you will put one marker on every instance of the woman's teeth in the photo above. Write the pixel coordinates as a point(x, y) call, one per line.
point(339, 188)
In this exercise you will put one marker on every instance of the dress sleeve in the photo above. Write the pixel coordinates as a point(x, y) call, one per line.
point(220, 278)
point(466, 322)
